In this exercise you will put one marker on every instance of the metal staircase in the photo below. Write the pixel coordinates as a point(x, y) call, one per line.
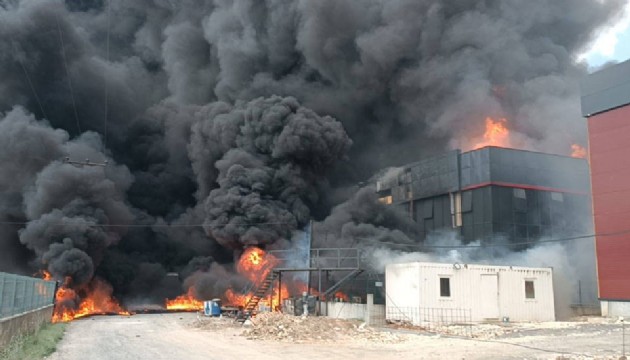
point(252, 304)
point(354, 273)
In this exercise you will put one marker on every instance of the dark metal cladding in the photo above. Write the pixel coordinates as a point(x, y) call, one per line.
point(606, 89)
point(427, 177)
point(493, 193)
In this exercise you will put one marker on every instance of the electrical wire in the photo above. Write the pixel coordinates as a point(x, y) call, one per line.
point(587, 236)
point(418, 246)
point(28, 79)
point(72, 223)
point(106, 79)
point(65, 64)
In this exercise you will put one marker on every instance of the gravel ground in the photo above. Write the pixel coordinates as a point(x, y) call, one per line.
point(187, 336)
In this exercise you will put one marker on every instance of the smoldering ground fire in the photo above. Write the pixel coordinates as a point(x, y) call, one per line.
point(230, 124)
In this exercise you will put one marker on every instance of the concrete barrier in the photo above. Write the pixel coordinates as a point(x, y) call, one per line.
point(24, 323)
point(370, 313)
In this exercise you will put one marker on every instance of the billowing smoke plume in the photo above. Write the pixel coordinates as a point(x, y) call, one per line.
point(241, 112)
point(63, 206)
point(278, 152)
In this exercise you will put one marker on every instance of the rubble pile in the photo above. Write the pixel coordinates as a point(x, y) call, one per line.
point(289, 328)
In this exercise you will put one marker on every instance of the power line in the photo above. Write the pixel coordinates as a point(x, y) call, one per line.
point(418, 246)
point(72, 223)
point(28, 78)
point(105, 76)
point(65, 64)
point(534, 242)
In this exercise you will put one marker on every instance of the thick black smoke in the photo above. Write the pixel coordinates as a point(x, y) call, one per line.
point(278, 152)
point(239, 112)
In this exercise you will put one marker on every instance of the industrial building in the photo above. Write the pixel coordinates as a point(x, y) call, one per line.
point(606, 105)
point(493, 193)
point(423, 293)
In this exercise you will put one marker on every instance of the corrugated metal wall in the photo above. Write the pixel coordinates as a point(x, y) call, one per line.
point(418, 285)
point(609, 135)
point(551, 197)
point(19, 294)
point(606, 89)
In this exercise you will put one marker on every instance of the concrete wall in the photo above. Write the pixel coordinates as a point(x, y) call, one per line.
point(370, 313)
point(477, 292)
point(615, 308)
point(24, 323)
point(343, 310)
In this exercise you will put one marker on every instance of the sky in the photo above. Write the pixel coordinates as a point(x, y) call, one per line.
point(612, 45)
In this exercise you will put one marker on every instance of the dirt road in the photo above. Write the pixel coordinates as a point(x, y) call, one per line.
point(173, 336)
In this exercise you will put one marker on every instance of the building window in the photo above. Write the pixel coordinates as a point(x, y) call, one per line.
point(529, 289)
point(456, 209)
point(556, 196)
point(445, 287)
point(387, 200)
point(520, 194)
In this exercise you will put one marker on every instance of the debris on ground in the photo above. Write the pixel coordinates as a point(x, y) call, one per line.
point(214, 323)
point(296, 329)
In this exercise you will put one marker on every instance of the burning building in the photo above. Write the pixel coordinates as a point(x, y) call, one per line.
point(492, 193)
point(606, 105)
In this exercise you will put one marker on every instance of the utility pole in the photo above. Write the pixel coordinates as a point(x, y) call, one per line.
point(87, 162)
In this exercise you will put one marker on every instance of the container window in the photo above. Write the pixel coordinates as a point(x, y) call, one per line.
point(445, 287)
point(529, 289)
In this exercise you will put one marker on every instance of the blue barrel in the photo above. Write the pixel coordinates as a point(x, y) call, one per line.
point(215, 307)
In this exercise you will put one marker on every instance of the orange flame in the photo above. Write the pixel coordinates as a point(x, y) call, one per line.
point(44, 275)
point(236, 299)
point(186, 302)
point(341, 296)
point(41, 288)
point(578, 151)
point(255, 264)
point(98, 300)
point(496, 134)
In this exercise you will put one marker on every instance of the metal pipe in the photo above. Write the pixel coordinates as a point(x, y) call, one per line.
point(280, 290)
point(319, 292)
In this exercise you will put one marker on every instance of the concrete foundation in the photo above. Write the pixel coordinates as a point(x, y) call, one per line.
point(24, 323)
point(615, 308)
point(586, 310)
point(369, 313)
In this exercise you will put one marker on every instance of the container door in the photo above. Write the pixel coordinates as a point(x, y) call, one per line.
point(490, 296)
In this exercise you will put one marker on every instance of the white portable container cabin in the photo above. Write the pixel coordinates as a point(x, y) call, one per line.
point(421, 292)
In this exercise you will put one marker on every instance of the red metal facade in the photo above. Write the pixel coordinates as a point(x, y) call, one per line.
point(609, 147)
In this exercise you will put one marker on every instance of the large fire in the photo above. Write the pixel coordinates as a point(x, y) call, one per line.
point(496, 134)
point(578, 151)
point(186, 302)
point(256, 264)
point(94, 299)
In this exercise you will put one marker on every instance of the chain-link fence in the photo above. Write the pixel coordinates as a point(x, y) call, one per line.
point(19, 294)
point(445, 320)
